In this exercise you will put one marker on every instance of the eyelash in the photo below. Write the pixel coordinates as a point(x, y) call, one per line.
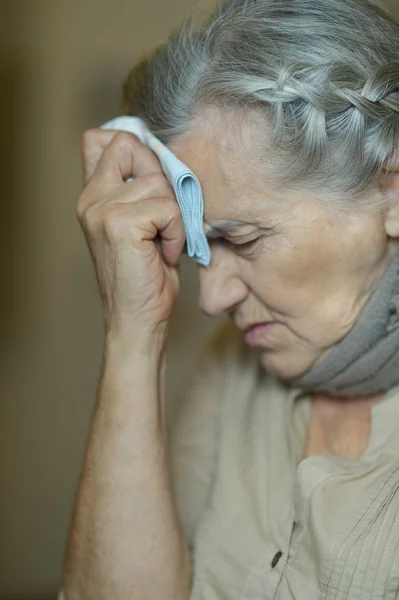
point(246, 247)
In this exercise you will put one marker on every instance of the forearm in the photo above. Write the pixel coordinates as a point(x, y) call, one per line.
point(125, 541)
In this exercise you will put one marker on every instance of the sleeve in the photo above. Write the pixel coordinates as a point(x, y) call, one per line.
point(193, 445)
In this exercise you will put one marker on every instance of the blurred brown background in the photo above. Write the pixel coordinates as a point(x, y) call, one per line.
point(61, 66)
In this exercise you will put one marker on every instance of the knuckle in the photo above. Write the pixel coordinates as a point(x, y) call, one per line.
point(122, 139)
point(84, 204)
point(159, 184)
point(89, 215)
point(174, 211)
point(79, 212)
point(170, 206)
point(88, 137)
point(113, 223)
point(80, 207)
point(85, 216)
point(169, 209)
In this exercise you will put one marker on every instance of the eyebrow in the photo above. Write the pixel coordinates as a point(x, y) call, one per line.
point(224, 226)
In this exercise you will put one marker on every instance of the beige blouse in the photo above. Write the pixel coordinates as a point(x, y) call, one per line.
point(262, 523)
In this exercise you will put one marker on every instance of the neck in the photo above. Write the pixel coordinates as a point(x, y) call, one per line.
point(340, 426)
point(366, 360)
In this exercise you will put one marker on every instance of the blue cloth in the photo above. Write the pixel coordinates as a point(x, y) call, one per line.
point(185, 184)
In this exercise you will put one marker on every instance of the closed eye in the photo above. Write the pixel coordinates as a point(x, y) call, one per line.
point(244, 247)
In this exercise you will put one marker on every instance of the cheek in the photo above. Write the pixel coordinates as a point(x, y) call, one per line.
point(289, 265)
point(296, 280)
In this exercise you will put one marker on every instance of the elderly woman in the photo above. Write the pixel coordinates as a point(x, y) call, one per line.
point(284, 476)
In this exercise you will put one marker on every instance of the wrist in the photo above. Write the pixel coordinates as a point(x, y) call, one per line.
point(133, 339)
point(133, 373)
point(135, 358)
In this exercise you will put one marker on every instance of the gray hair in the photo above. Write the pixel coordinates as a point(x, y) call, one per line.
point(323, 75)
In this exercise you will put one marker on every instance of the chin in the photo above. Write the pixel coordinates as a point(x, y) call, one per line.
point(285, 364)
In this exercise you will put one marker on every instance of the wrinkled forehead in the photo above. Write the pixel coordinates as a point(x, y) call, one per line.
point(222, 160)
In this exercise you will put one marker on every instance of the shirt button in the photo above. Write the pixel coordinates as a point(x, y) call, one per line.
point(276, 558)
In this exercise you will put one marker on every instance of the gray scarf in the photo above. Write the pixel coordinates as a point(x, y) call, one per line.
point(366, 361)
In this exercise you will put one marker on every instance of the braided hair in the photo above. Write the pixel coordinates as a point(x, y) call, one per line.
point(323, 78)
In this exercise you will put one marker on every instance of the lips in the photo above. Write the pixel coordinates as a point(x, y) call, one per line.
point(255, 333)
point(250, 326)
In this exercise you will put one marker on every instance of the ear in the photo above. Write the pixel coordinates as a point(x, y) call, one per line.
point(390, 192)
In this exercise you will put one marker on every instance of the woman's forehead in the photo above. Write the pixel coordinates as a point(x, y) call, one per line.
point(232, 193)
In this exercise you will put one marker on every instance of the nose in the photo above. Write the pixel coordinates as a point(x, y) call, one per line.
point(221, 287)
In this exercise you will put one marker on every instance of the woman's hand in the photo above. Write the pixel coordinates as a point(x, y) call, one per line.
point(134, 231)
point(123, 543)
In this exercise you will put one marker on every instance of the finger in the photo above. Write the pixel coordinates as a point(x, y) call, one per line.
point(124, 157)
point(166, 218)
point(173, 242)
point(148, 220)
point(152, 185)
point(94, 142)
